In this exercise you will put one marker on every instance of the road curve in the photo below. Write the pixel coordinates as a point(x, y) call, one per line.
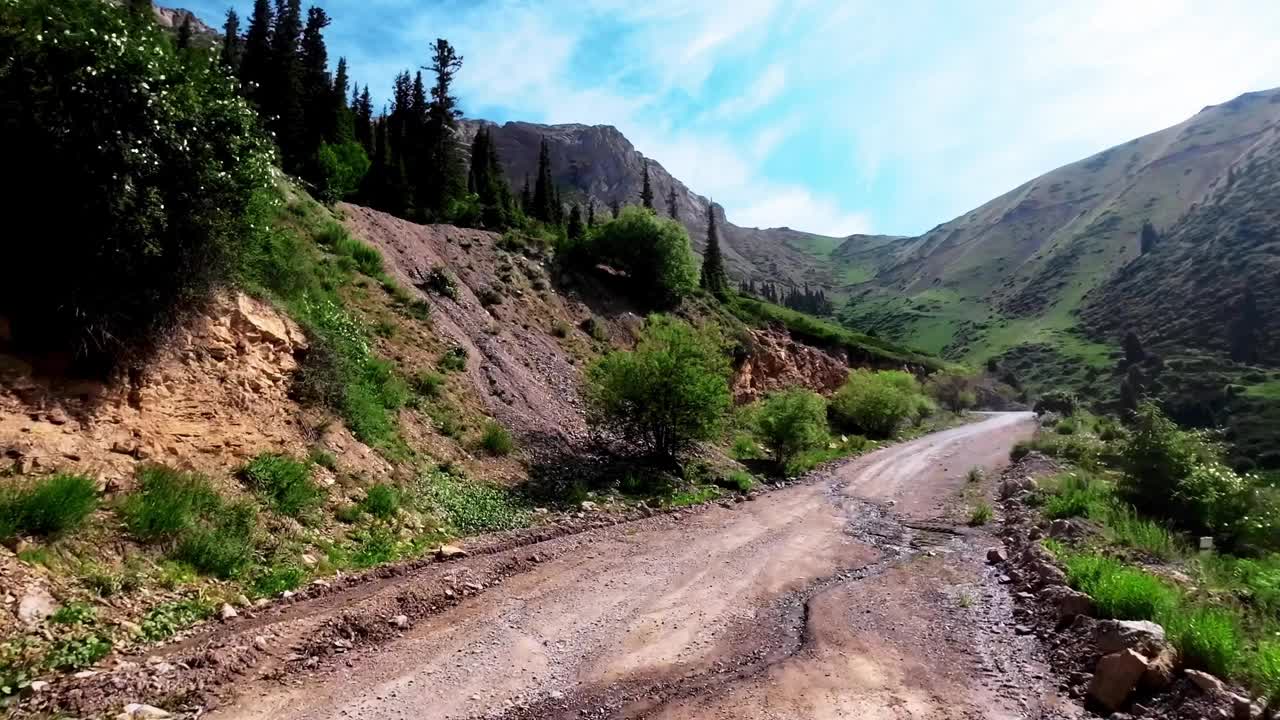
point(842, 597)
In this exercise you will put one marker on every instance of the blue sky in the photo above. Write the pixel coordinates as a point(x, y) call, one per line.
point(836, 117)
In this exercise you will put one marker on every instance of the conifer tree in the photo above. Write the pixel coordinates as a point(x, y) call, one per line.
point(1133, 352)
point(184, 34)
point(284, 95)
point(615, 207)
point(363, 110)
point(543, 188)
point(591, 213)
point(232, 44)
point(646, 190)
point(442, 177)
point(1148, 238)
point(255, 63)
point(526, 197)
point(713, 278)
point(320, 118)
point(575, 230)
point(1244, 329)
point(672, 208)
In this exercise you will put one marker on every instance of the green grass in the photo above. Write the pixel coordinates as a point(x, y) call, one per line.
point(980, 515)
point(77, 651)
point(1076, 495)
point(48, 506)
point(275, 579)
point(496, 440)
point(1269, 390)
point(473, 507)
point(692, 496)
point(1209, 638)
point(74, 613)
point(820, 332)
point(428, 384)
point(323, 458)
point(184, 512)
point(375, 546)
point(381, 501)
point(285, 483)
point(453, 360)
point(1118, 590)
point(739, 480)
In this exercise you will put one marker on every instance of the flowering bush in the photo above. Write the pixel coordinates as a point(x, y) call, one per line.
point(137, 165)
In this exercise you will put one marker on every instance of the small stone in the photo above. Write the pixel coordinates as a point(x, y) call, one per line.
point(227, 612)
point(1067, 602)
point(138, 711)
point(243, 601)
point(287, 594)
point(1207, 683)
point(1050, 574)
point(400, 621)
point(449, 552)
point(556, 695)
point(1115, 677)
point(39, 685)
point(1035, 533)
point(996, 555)
point(311, 662)
point(309, 560)
point(587, 505)
point(1246, 709)
point(260, 643)
point(132, 628)
point(85, 674)
point(163, 668)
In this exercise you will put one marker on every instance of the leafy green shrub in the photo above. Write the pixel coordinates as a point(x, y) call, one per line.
point(77, 651)
point(375, 546)
point(496, 440)
point(339, 169)
point(745, 448)
point(980, 515)
point(453, 360)
point(441, 282)
point(74, 613)
point(667, 394)
point(1119, 591)
point(872, 403)
point(1057, 401)
point(596, 328)
point(472, 507)
point(163, 621)
point(381, 501)
point(955, 390)
point(654, 252)
point(144, 167)
point(1208, 638)
point(49, 506)
point(284, 482)
point(792, 421)
point(1021, 449)
point(1077, 495)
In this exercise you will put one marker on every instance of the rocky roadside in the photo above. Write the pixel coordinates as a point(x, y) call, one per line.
point(1118, 669)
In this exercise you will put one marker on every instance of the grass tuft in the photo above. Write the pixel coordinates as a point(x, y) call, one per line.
point(496, 440)
point(980, 515)
point(284, 482)
point(49, 506)
point(381, 501)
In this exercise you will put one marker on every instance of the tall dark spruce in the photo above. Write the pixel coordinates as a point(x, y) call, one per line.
point(713, 279)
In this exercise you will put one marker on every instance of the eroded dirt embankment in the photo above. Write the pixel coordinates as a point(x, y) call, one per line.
point(813, 601)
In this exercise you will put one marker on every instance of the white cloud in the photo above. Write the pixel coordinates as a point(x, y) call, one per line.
point(767, 87)
point(799, 209)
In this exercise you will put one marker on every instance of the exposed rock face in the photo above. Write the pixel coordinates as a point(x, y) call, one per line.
point(216, 394)
point(776, 361)
point(597, 162)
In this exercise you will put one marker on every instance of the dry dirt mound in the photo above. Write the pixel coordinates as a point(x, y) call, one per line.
point(215, 395)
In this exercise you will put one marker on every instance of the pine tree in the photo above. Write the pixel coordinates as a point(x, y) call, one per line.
point(575, 230)
point(1133, 352)
point(672, 208)
point(543, 206)
point(362, 108)
point(1245, 328)
point(320, 118)
point(615, 207)
point(184, 34)
point(284, 96)
point(255, 63)
point(713, 278)
point(485, 180)
point(1148, 238)
point(443, 179)
point(646, 190)
point(232, 44)
point(526, 198)
point(591, 213)
point(557, 207)
point(1132, 389)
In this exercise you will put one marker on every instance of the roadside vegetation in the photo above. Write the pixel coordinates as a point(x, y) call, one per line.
point(1153, 492)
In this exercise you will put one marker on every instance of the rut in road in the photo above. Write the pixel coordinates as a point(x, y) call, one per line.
point(820, 600)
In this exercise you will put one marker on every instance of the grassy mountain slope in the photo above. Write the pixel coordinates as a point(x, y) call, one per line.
point(1016, 269)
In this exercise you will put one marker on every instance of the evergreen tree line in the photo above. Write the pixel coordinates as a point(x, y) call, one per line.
point(803, 299)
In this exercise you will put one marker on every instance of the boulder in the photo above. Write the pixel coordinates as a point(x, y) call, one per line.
point(1049, 574)
point(1161, 670)
point(1067, 603)
point(227, 612)
point(1064, 530)
point(1112, 636)
point(1115, 677)
point(449, 552)
point(1244, 708)
point(996, 555)
point(36, 605)
point(1207, 683)
point(138, 711)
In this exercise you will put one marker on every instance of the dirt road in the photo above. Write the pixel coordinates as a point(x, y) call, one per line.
point(860, 594)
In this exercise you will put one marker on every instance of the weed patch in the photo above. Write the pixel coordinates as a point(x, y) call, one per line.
point(496, 440)
point(49, 506)
point(381, 501)
point(285, 483)
point(470, 507)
